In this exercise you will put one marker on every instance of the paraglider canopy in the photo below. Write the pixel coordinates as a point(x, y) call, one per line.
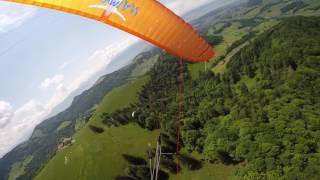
point(147, 19)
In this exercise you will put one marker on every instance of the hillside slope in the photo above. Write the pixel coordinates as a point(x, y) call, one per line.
point(238, 23)
point(99, 155)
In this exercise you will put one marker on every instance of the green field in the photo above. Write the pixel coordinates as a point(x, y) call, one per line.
point(99, 156)
point(143, 68)
point(196, 68)
point(63, 125)
point(118, 98)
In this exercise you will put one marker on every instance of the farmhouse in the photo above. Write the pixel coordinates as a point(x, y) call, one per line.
point(65, 143)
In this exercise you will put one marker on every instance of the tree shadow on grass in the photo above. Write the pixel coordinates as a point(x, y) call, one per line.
point(225, 158)
point(134, 160)
point(96, 129)
point(124, 178)
point(190, 162)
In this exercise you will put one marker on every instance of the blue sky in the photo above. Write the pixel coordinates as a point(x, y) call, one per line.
point(46, 55)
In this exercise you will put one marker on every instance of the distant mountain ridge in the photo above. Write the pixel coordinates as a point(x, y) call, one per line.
point(118, 62)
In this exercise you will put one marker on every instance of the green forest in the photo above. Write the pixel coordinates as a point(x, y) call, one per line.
point(262, 112)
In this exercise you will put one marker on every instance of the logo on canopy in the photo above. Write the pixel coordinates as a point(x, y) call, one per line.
point(110, 8)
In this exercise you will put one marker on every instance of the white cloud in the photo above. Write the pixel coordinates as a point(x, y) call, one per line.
point(53, 81)
point(13, 15)
point(183, 6)
point(21, 124)
point(65, 65)
point(61, 88)
point(5, 113)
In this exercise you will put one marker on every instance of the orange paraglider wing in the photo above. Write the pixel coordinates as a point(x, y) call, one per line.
point(147, 19)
